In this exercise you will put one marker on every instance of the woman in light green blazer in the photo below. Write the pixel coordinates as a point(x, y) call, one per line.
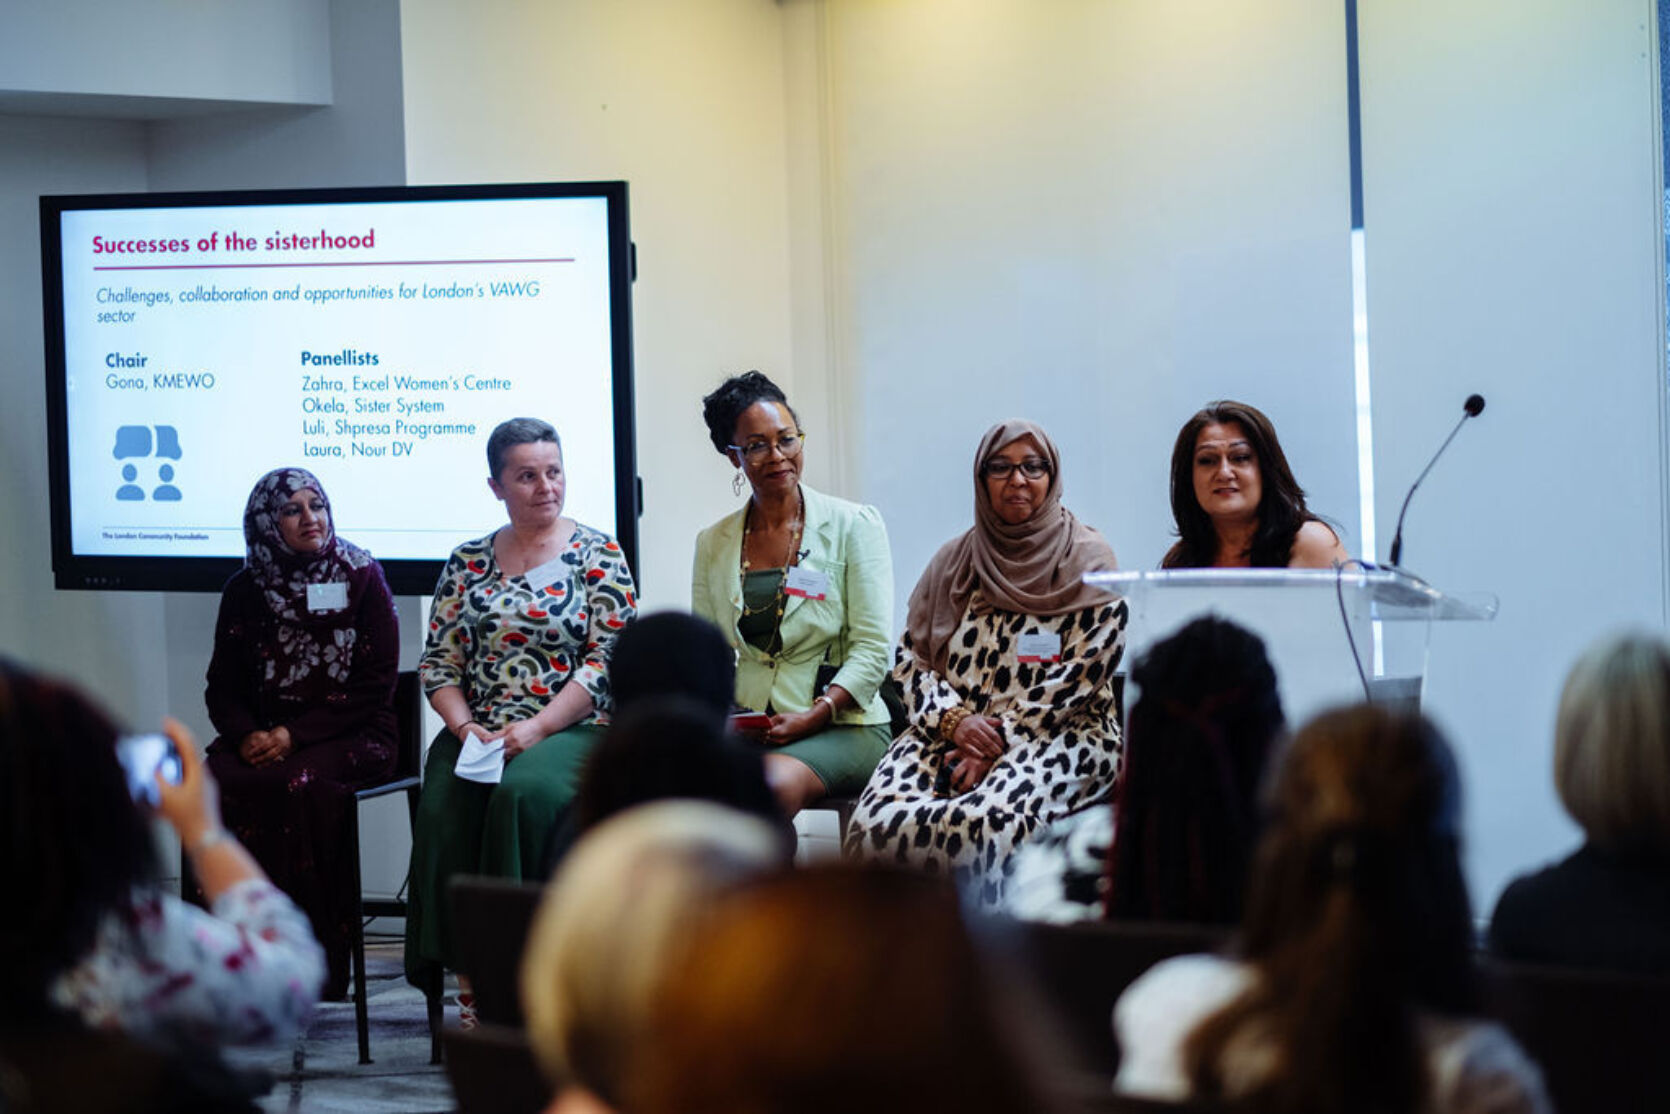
point(797, 579)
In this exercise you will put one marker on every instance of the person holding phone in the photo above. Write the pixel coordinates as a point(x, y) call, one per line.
point(300, 689)
point(801, 585)
point(91, 932)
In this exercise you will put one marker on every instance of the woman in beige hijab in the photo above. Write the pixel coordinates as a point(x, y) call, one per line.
point(1007, 666)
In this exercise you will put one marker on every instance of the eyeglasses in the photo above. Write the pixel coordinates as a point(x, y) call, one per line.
point(1032, 468)
point(788, 446)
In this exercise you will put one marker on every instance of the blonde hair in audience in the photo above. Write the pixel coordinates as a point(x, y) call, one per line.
point(831, 989)
point(1612, 744)
point(598, 941)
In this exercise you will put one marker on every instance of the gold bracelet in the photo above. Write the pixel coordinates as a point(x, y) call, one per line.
point(824, 698)
point(950, 720)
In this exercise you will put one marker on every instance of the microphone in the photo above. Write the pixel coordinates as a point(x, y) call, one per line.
point(1472, 408)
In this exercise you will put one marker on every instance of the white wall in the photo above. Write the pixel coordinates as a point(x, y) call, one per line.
point(275, 51)
point(1512, 215)
point(684, 101)
point(1099, 216)
point(109, 642)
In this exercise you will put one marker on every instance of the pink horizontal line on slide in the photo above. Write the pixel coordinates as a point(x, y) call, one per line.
point(357, 263)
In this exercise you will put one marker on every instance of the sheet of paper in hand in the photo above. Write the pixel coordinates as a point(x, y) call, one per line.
point(480, 761)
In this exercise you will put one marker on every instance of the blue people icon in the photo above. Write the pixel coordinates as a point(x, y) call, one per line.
point(166, 492)
point(132, 440)
point(136, 441)
point(130, 492)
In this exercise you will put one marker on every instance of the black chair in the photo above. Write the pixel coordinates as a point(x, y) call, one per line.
point(493, 1071)
point(55, 1065)
point(490, 922)
point(408, 714)
point(1081, 970)
point(843, 808)
point(1599, 1036)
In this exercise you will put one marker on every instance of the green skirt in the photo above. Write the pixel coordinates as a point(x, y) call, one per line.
point(842, 757)
point(464, 827)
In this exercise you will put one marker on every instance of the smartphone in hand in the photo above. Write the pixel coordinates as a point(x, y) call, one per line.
point(142, 758)
point(750, 722)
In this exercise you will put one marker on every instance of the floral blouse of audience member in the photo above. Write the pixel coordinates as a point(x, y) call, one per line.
point(248, 973)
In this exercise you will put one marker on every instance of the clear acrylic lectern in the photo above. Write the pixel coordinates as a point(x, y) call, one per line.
point(1327, 633)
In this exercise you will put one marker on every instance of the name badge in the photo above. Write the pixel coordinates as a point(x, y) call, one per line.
point(327, 597)
point(1040, 647)
point(806, 582)
point(543, 576)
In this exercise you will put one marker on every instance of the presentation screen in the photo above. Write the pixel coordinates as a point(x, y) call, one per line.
point(372, 336)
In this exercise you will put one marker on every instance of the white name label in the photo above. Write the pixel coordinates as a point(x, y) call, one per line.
point(327, 597)
point(1041, 646)
point(543, 576)
point(806, 582)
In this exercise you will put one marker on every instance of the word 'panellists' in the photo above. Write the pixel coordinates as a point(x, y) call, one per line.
point(348, 357)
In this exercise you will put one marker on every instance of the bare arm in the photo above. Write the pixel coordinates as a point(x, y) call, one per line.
point(1315, 546)
point(192, 808)
point(449, 703)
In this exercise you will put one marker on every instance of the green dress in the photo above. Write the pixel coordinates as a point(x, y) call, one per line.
point(509, 643)
point(842, 757)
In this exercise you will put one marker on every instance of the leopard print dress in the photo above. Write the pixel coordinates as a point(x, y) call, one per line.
point(1058, 719)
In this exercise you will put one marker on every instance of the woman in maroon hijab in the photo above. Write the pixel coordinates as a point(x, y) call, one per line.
point(300, 691)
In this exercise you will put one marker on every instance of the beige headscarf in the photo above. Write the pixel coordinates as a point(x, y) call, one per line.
point(1035, 568)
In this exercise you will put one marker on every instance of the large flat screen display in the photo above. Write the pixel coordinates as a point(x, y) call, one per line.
point(372, 336)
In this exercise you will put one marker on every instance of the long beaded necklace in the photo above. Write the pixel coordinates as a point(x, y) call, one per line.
point(780, 599)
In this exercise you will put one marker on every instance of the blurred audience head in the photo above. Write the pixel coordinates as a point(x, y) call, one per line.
point(1201, 732)
point(1357, 916)
point(673, 653)
point(74, 843)
point(1612, 745)
point(663, 747)
point(832, 989)
point(601, 937)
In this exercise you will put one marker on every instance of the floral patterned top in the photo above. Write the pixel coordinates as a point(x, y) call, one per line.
point(248, 972)
point(510, 642)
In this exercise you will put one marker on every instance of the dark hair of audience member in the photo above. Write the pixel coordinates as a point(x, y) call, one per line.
point(673, 653)
point(665, 747)
point(1357, 919)
point(725, 404)
point(75, 845)
point(832, 989)
point(1281, 509)
point(1187, 809)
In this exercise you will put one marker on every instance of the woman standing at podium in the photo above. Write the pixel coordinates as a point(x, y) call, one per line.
point(1235, 501)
